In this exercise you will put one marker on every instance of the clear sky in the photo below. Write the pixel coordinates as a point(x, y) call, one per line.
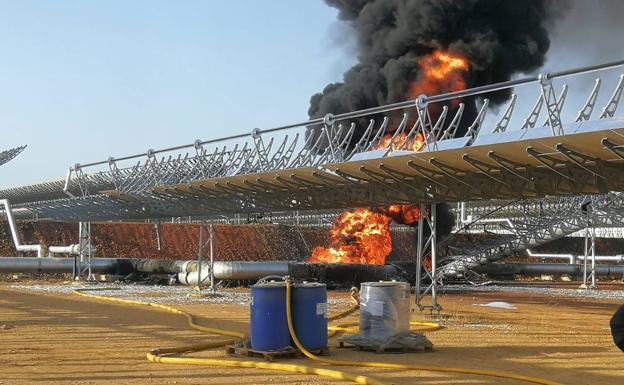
point(84, 80)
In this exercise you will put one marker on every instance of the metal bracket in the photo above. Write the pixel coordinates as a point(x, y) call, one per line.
point(585, 112)
point(502, 124)
point(552, 105)
point(609, 110)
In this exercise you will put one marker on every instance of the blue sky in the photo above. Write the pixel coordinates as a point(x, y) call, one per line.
point(84, 80)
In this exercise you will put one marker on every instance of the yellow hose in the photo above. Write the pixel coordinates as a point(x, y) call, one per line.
point(489, 373)
point(158, 355)
point(416, 327)
point(356, 305)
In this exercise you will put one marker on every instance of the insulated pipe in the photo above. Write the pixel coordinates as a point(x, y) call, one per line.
point(187, 270)
point(73, 249)
point(604, 258)
point(15, 232)
point(546, 268)
point(573, 258)
point(57, 265)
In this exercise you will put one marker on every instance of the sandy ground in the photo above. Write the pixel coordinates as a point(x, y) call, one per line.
point(66, 339)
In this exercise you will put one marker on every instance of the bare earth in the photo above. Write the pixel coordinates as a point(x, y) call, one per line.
point(66, 339)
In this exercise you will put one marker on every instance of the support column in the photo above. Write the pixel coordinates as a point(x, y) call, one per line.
point(589, 280)
point(427, 247)
point(211, 234)
point(84, 240)
point(200, 255)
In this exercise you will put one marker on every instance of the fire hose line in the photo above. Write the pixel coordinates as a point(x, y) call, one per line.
point(159, 355)
point(490, 373)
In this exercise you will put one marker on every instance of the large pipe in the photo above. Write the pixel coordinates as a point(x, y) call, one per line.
point(570, 257)
point(187, 270)
point(60, 265)
point(573, 258)
point(15, 232)
point(546, 268)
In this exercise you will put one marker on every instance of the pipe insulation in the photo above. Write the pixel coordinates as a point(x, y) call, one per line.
point(187, 270)
point(59, 265)
point(15, 233)
point(546, 268)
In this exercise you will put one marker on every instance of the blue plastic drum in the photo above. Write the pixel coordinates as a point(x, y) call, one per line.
point(269, 326)
point(309, 312)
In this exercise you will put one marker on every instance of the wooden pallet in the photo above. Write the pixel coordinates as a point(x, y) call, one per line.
point(386, 348)
point(271, 355)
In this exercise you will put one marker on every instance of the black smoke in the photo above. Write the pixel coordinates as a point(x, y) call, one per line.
point(499, 38)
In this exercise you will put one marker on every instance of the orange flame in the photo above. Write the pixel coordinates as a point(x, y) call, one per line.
point(403, 214)
point(440, 72)
point(363, 235)
point(401, 142)
point(360, 236)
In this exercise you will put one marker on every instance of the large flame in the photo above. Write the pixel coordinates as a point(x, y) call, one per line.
point(363, 235)
point(401, 142)
point(360, 236)
point(440, 72)
point(403, 214)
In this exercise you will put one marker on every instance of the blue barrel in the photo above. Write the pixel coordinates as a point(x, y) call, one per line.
point(309, 313)
point(269, 326)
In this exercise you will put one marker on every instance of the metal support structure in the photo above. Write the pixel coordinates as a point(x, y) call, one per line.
point(84, 240)
point(158, 228)
point(552, 106)
point(211, 236)
point(200, 256)
point(427, 247)
point(589, 280)
point(275, 172)
point(201, 252)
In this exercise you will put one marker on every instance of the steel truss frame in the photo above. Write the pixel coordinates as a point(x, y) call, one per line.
point(427, 244)
point(203, 227)
point(536, 222)
point(8, 155)
point(283, 173)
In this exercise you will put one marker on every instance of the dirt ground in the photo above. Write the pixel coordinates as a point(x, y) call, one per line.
point(66, 339)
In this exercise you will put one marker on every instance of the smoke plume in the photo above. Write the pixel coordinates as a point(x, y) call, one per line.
point(499, 39)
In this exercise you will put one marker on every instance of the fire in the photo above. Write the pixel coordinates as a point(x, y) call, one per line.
point(403, 214)
point(363, 235)
point(440, 72)
point(360, 236)
point(401, 142)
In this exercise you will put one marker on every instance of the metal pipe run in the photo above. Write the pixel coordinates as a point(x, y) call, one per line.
point(15, 232)
point(187, 271)
point(546, 268)
point(574, 258)
point(59, 265)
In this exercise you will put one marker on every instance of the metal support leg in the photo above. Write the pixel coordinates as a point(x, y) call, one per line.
point(84, 240)
point(589, 280)
point(157, 227)
point(211, 234)
point(427, 248)
point(200, 256)
point(419, 257)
